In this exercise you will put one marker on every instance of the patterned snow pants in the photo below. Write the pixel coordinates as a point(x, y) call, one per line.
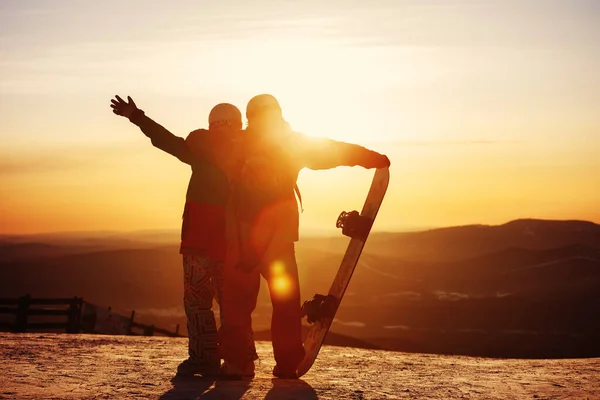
point(202, 282)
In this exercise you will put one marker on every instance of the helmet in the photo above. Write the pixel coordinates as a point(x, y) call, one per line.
point(224, 114)
point(262, 102)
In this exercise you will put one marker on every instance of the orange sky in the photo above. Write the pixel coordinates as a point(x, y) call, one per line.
point(488, 111)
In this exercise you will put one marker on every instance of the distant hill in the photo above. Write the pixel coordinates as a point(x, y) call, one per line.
point(463, 242)
point(518, 271)
point(571, 270)
point(27, 250)
point(475, 259)
point(128, 278)
point(434, 245)
point(409, 289)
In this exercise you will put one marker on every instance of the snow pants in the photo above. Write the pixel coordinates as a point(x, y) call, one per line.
point(277, 264)
point(202, 282)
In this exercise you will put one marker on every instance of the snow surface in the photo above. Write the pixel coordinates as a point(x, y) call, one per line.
point(62, 366)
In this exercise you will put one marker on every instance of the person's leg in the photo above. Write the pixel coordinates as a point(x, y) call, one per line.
point(217, 284)
point(202, 330)
point(238, 301)
point(281, 272)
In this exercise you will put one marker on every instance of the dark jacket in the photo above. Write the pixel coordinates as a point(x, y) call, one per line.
point(203, 225)
point(276, 215)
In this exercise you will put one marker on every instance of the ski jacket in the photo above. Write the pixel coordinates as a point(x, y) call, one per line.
point(204, 214)
point(286, 153)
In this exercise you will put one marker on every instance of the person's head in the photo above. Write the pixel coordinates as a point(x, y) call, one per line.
point(225, 116)
point(263, 111)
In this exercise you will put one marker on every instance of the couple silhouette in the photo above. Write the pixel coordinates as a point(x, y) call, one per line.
point(241, 222)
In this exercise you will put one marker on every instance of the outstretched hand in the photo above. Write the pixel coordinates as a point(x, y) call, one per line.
point(122, 108)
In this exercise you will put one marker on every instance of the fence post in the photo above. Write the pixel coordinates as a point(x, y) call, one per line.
point(130, 327)
point(22, 311)
point(79, 313)
point(74, 311)
point(149, 330)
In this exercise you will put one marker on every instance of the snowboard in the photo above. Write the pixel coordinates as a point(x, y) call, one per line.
point(357, 227)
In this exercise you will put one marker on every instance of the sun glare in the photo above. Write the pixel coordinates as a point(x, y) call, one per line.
point(310, 76)
point(281, 282)
point(277, 268)
point(281, 285)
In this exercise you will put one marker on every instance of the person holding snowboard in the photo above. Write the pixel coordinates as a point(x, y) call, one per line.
point(266, 224)
point(203, 245)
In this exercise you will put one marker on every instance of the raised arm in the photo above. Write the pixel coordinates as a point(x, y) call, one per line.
point(159, 135)
point(316, 153)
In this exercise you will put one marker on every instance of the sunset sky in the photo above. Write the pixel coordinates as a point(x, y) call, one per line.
point(488, 110)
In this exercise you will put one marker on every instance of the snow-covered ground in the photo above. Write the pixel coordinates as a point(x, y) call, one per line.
point(60, 366)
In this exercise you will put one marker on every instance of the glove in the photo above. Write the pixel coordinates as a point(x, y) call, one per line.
point(125, 109)
point(375, 160)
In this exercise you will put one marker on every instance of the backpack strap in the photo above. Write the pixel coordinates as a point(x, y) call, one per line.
point(297, 190)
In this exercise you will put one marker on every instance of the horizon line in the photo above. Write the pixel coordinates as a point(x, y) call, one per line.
point(310, 233)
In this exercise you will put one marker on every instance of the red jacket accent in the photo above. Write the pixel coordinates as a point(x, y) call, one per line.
point(203, 230)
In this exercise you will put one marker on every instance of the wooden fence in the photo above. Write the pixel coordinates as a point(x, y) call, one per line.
point(70, 315)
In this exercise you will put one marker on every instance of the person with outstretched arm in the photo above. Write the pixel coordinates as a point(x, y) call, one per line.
point(203, 241)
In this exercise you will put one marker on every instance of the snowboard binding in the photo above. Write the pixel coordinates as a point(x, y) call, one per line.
point(354, 225)
point(321, 306)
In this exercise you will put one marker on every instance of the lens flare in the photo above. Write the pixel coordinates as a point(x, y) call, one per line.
point(280, 281)
point(281, 285)
point(277, 268)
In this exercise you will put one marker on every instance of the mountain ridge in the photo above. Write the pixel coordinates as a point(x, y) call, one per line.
point(430, 288)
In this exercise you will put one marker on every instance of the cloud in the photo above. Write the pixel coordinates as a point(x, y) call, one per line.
point(25, 165)
point(472, 142)
point(442, 143)
point(407, 294)
point(59, 158)
point(402, 327)
point(355, 324)
point(471, 24)
point(451, 296)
